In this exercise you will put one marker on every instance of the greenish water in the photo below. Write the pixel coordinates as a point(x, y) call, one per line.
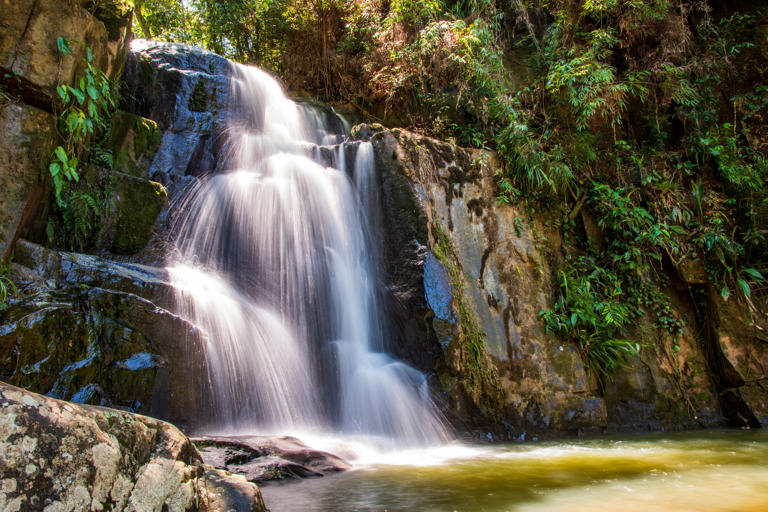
point(703, 471)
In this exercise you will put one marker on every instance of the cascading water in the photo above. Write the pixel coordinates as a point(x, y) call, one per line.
point(274, 263)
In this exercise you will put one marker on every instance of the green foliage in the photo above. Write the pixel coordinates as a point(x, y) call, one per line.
point(583, 78)
point(593, 311)
point(684, 176)
point(738, 165)
point(7, 287)
point(635, 236)
point(83, 112)
point(170, 20)
point(245, 30)
point(414, 12)
point(84, 116)
point(533, 162)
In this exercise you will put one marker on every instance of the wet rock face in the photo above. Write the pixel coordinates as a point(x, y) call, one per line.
point(185, 91)
point(81, 329)
point(470, 280)
point(470, 277)
point(56, 455)
point(262, 458)
point(738, 345)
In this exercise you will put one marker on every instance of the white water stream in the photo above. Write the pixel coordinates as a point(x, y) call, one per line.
point(275, 263)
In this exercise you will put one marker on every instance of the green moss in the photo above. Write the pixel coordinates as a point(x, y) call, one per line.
point(476, 372)
point(445, 379)
point(135, 140)
point(409, 213)
point(74, 345)
point(148, 136)
point(137, 204)
point(198, 100)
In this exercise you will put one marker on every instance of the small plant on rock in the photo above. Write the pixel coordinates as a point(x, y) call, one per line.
point(84, 115)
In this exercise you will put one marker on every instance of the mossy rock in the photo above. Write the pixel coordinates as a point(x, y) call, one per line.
point(198, 100)
point(135, 140)
point(136, 204)
point(58, 349)
point(115, 14)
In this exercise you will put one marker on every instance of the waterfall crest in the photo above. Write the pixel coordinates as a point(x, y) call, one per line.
point(274, 262)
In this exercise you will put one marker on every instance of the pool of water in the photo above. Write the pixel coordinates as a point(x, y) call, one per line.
point(703, 471)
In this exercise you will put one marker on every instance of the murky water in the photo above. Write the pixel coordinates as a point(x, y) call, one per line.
point(715, 471)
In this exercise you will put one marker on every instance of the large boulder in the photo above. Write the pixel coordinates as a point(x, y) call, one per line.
point(475, 273)
point(29, 55)
point(56, 455)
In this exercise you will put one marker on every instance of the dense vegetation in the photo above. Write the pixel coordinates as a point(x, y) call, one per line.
point(646, 116)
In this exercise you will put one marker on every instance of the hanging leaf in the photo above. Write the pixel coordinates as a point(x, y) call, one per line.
point(63, 45)
point(63, 94)
point(78, 94)
point(745, 287)
point(754, 273)
point(724, 293)
point(92, 92)
point(61, 155)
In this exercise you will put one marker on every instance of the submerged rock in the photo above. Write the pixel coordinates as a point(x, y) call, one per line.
point(262, 458)
point(56, 455)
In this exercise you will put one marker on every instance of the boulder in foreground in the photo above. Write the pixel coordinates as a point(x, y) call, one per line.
point(56, 455)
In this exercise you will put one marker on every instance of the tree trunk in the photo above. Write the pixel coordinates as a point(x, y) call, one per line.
point(140, 18)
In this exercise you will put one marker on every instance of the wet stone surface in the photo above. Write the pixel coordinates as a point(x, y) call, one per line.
point(263, 458)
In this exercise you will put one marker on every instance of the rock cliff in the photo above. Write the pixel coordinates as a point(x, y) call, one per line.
point(31, 67)
point(469, 277)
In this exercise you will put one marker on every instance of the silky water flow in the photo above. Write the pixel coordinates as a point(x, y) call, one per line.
point(274, 264)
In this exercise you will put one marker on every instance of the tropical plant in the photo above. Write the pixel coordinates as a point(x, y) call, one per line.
point(84, 115)
point(592, 311)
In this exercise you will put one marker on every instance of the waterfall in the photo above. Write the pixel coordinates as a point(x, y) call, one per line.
point(275, 261)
